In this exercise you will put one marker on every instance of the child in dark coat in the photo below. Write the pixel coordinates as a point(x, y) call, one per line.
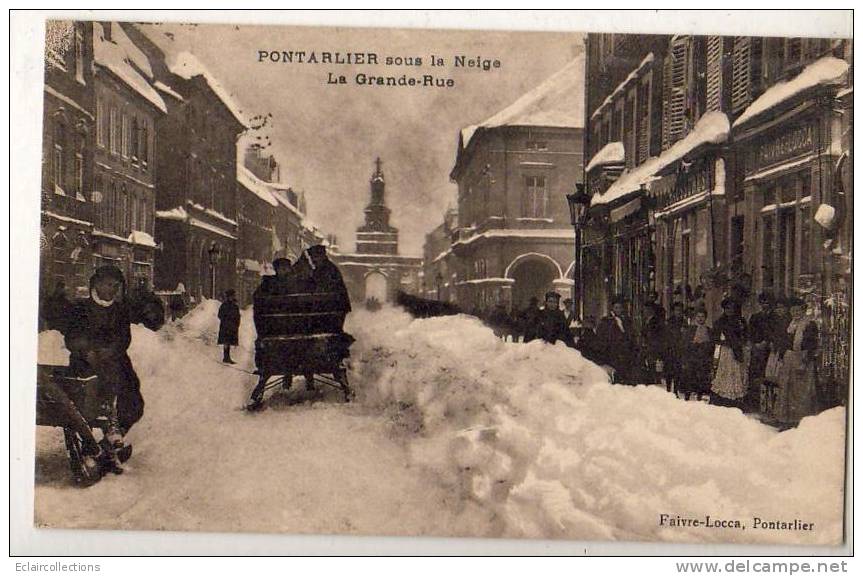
point(229, 325)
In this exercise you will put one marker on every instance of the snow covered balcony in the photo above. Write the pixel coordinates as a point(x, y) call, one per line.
point(712, 128)
point(828, 71)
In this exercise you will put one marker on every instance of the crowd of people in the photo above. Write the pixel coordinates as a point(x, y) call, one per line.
point(766, 364)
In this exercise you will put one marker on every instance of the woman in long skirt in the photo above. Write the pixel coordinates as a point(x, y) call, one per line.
point(797, 373)
point(779, 342)
point(728, 387)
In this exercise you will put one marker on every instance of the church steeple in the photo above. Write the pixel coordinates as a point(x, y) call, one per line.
point(378, 185)
point(377, 236)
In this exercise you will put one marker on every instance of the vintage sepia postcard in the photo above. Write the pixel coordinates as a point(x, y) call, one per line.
point(462, 283)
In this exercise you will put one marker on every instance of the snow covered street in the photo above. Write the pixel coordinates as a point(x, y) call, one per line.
point(453, 432)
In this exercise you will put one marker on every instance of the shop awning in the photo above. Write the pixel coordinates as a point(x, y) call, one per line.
point(627, 209)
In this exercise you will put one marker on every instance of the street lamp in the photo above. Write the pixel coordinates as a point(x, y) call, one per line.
point(579, 202)
point(213, 253)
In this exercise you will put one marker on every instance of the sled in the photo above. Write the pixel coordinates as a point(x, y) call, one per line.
point(300, 334)
point(73, 401)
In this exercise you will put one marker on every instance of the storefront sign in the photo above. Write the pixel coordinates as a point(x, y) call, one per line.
point(798, 140)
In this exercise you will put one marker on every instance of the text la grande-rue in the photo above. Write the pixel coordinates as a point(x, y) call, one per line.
point(372, 58)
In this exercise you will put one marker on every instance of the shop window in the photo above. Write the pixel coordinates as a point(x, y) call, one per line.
point(767, 254)
point(786, 252)
point(805, 238)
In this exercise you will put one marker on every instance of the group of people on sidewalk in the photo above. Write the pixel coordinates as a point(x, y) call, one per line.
point(766, 364)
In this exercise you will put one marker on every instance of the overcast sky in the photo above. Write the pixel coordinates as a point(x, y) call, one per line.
point(326, 137)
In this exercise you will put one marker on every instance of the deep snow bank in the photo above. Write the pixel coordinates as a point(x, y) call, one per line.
point(537, 434)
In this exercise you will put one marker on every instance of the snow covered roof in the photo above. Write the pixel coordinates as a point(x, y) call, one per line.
point(159, 85)
point(712, 128)
point(611, 153)
point(186, 65)
point(824, 71)
point(623, 85)
point(123, 58)
point(558, 101)
point(255, 185)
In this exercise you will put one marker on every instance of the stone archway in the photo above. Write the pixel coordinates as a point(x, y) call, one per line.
point(533, 274)
point(376, 286)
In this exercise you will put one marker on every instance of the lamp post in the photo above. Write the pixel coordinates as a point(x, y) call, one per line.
point(213, 254)
point(579, 202)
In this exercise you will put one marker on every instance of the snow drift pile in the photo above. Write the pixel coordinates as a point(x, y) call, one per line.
point(536, 433)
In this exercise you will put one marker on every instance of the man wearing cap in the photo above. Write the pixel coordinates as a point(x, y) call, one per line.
point(616, 342)
point(551, 324)
point(229, 325)
point(326, 277)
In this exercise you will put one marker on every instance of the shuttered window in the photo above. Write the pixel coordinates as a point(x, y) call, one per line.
point(714, 73)
point(644, 126)
point(741, 79)
point(676, 74)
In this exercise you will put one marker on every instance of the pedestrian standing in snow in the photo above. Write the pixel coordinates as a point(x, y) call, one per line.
point(673, 348)
point(729, 383)
point(759, 337)
point(653, 344)
point(797, 374)
point(550, 322)
point(696, 355)
point(499, 321)
point(229, 325)
point(778, 342)
point(527, 321)
point(616, 343)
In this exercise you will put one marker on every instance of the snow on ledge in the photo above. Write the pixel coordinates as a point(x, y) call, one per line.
point(611, 153)
point(178, 213)
point(825, 71)
point(142, 238)
point(712, 128)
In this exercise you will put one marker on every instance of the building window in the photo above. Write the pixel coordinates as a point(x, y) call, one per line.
point(676, 88)
point(534, 197)
point(644, 122)
point(793, 54)
point(100, 123)
point(714, 72)
point(114, 131)
point(125, 136)
point(79, 176)
point(537, 145)
point(134, 138)
point(144, 146)
point(79, 55)
point(57, 160)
